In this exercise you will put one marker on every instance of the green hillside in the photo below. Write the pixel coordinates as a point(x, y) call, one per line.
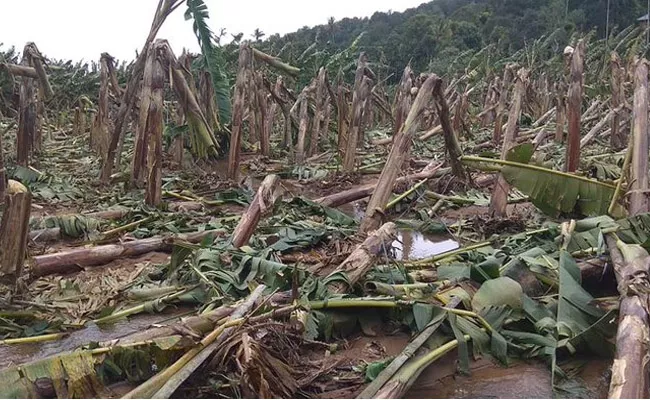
point(436, 33)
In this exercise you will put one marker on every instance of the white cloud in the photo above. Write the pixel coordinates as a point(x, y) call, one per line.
point(76, 29)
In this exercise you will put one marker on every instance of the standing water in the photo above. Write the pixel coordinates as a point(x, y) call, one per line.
point(413, 245)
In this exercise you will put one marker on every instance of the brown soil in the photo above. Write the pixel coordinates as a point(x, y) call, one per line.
point(521, 210)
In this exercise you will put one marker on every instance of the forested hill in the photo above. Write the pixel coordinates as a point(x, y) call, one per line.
point(434, 34)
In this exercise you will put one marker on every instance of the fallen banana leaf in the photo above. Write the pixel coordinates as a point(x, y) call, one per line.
point(85, 373)
point(553, 192)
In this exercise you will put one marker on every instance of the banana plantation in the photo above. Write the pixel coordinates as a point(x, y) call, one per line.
point(235, 224)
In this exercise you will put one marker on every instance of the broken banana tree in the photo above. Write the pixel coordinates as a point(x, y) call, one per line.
point(382, 192)
point(14, 228)
point(499, 199)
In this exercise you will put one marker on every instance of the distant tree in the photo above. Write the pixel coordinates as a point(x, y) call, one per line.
point(222, 33)
point(438, 32)
point(237, 38)
point(258, 34)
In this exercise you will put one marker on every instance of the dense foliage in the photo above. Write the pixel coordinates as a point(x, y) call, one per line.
point(434, 34)
point(442, 36)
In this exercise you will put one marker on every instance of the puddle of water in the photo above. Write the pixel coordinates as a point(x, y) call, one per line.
point(413, 245)
point(523, 380)
point(22, 353)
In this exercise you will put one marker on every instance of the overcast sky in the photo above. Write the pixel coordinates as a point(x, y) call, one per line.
point(76, 29)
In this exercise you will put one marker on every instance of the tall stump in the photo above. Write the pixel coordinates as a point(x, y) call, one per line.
point(14, 229)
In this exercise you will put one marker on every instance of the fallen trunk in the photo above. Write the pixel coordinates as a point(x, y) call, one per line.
point(358, 193)
point(597, 128)
point(275, 62)
point(72, 260)
point(363, 257)
point(163, 384)
point(630, 368)
point(431, 132)
point(198, 324)
point(544, 118)
point(45, 235)
point(20, 70)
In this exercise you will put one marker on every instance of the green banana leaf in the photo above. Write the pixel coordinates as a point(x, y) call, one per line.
point(590, 232)
point(552, 191)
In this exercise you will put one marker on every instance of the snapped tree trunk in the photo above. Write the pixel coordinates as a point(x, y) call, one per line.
point(3, 169)
point(154, 125)
point(560, 114)
point(359, 95)
point(71, 260)
point(343, 119)
point(639, 167)
point(262, 204)
point(490, 103)
point(499, 199)
point(276, 62)
point(263, 110)
point(207, 100)
point(100, 129)
point(593, 132)
point(402, 101)
point(252, 106)
point(460, 114)
point(574, 105)
point(618, 138)
point(362, 259)
point(14, 228)
point(164, 8)
point(187, 98)
point(503, 90)
point(321, 103)
point(139, 162)
point(26, 116)
point(286, 141)
point(451, 140)
point(304, 125)
point(374, 212)
point(239, 99)
point(36, 61)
